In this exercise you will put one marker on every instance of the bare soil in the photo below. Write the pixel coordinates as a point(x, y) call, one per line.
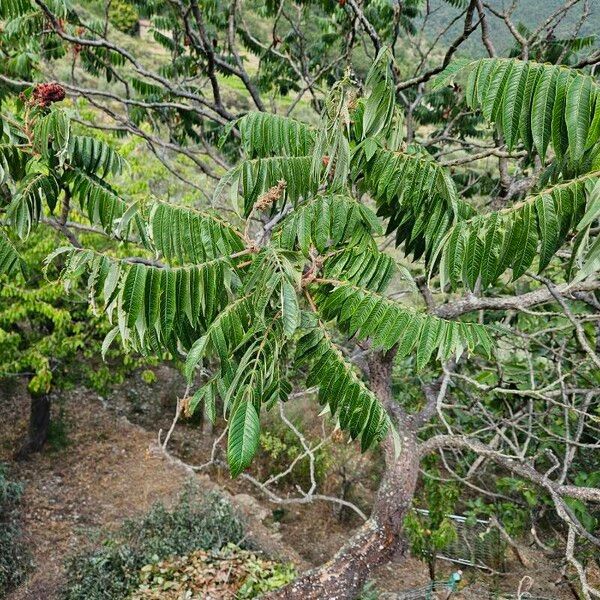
point(112, 469)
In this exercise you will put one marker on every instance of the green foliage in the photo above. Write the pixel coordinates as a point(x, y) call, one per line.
point(366, 314)
point(431, 532)
point(38, 325)
point(539, 105)
point(55, 166)
point(261, 580)
point(43, 331)
point(112, 571)
point(124, 16)
point(189, 236)
point(325, 221)
point(254, 177)
point(15, 561)
point(357, 408)
point(265, 135)
point(256, 313)
point(482, 248)
point(416, 194)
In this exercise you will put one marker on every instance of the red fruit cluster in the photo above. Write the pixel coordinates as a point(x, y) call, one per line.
point(45, 94)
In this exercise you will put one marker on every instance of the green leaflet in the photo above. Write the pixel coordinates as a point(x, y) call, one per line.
point(512, 103)
point(471, 267)
point(591, 261)
point(242, 439)
point(133, 294)
point(560, 139)
point(548, 228)
point(447, 75)
point(525, 241)
point(10, 261)
point(492, 248)
point(108, 340)
point(580, 100)
point(290, 310)
point(541, 114)
point(431, 334)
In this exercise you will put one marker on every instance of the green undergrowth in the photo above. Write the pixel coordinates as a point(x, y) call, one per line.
point(172, 551)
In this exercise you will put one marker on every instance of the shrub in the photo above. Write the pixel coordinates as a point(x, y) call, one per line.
point(15, 560)
point(124, 17)
point(197, 522)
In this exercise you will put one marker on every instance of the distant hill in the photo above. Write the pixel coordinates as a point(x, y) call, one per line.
point(529, 12)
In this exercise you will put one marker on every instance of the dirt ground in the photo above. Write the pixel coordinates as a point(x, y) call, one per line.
point(111, 469)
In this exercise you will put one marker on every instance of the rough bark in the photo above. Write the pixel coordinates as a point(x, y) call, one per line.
point(39, 424)
point(380, 537)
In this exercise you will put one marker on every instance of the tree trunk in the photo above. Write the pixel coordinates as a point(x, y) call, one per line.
point(375, 543)
point(39, 424)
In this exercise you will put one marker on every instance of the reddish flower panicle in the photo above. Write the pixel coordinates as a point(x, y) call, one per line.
point(45, 94)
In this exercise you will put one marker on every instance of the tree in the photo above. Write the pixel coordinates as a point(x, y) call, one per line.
point(533, 401)
point(264, 303)
point(41, 329)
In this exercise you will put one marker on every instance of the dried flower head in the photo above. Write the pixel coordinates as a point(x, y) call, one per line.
point(271, 196)
point(186, 408)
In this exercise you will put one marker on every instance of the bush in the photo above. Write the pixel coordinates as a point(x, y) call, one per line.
point(197, 522)
point(15, 560)
point(124, 17)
